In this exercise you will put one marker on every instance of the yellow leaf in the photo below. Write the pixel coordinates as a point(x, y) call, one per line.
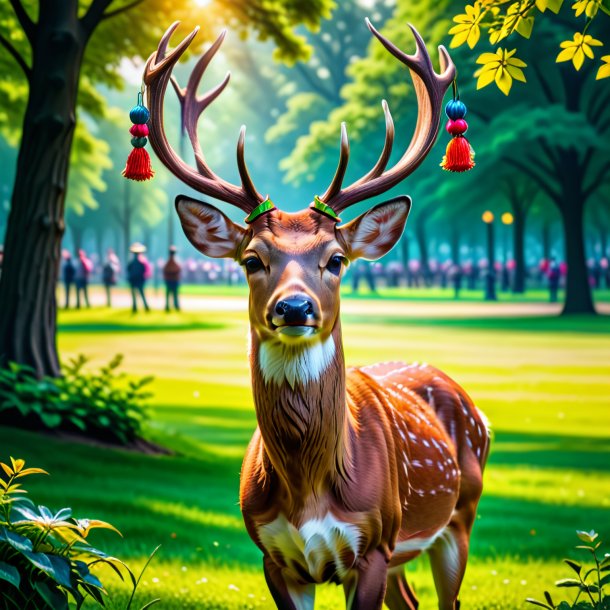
point(17, 464)
point(588, 51)
point(27, 471)
point(515, 61)
point(504, 81)
point(604, 70)
point(473, 36)
point(485, 78)
point(516, 73)
point(7, 469)
point(485, 58)
point(579, 58)
point(554, 5)
point(524, 26)
point(459, 39)
point(566, 55)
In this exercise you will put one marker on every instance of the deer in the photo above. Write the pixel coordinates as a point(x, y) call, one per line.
point(351, 472)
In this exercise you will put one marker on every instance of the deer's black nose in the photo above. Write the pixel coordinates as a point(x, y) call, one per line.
point(294, 311)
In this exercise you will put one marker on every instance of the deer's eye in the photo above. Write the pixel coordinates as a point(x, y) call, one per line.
point(252, 264)
point(335, 264)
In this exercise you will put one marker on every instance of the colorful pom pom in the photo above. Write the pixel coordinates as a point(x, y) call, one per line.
point(138, 166)
point(459, 156)
point(139, 131)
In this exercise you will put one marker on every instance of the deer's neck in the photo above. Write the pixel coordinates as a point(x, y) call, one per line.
point(299, 394)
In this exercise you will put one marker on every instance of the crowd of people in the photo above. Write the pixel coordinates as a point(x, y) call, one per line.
point(77, 272)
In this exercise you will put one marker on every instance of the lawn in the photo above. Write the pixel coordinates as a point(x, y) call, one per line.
point(542, 382)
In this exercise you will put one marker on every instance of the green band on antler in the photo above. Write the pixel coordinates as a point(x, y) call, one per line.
point(319, 205)
point(265, 206)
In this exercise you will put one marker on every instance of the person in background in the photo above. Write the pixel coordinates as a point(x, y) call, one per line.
point(554, 275)
point(68, 271)
point(110, 273)
point(138, 271)
point(83, 270)
point(171, 277)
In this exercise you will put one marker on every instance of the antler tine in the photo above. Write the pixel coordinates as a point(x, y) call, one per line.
point(384, 157)
point(246, 181)
point(157, 75)
point(335, 185)
point(430, 89)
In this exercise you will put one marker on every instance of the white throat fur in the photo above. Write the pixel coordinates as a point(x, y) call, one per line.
point(298, 363)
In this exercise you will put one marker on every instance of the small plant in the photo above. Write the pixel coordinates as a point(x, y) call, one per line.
point(589, 582)
point(46, 557)
point(100, 405)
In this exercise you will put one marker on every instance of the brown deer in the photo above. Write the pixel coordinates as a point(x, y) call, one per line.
point(349, 474)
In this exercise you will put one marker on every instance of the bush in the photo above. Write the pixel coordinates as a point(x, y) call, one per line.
point(589, 583)
point(100, 405)
point(46, 557)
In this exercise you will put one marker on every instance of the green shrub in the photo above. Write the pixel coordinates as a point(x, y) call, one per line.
point(589, 583)
point(46, 557)
point(103, 406)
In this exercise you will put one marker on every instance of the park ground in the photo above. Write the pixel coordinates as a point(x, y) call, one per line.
point(541, 379)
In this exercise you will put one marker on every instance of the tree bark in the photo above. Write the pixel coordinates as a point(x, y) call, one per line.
point(546, 240)
point(519, 250)
point(578, 291)
point(454, 244)
point(422, 244)
point(36, 220)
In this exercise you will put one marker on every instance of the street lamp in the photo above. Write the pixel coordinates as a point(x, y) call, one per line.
point(490, 278)
point(507, 220)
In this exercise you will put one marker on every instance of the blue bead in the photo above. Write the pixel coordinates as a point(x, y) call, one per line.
point(455, 110)
point(139, 115)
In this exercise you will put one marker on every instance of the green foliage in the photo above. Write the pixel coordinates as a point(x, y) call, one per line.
point(589, 583)
point(100, 405)
point(46, 557)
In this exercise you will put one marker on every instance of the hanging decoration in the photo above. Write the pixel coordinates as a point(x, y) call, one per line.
point(459, 156)
point(138, 166)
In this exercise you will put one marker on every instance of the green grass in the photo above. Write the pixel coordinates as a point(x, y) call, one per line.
point(542, 382)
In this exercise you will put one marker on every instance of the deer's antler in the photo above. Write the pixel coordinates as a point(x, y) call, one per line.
point(430, 89)
point(157, 74)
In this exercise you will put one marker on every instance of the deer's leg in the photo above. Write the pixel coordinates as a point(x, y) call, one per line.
point(287, 595)
point(399, 595)
point(366, 586)
point(448, 558)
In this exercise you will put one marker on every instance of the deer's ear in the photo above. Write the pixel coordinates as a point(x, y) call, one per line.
point(208, 229)
point(375, 232)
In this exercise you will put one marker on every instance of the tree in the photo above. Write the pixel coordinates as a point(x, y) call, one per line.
point(51, 45)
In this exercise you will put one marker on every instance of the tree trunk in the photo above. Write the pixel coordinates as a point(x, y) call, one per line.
point(519, 250)
point(422, 244)
point(36, 220)
point(455, 246)
point(405, 247)
point(126, 223)
point(77, 236)
point(546, 240)
point(578, 291)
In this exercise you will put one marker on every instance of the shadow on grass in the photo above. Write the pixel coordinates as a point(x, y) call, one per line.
point(573, 324)
point(126, 327)
point(189, 503)
point(551, 451)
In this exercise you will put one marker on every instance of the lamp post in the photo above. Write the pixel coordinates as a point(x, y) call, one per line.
point(507, 220)
point(490, 277)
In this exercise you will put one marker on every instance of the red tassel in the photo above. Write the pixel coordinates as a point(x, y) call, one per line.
point(138, 165)
point(459, 156)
